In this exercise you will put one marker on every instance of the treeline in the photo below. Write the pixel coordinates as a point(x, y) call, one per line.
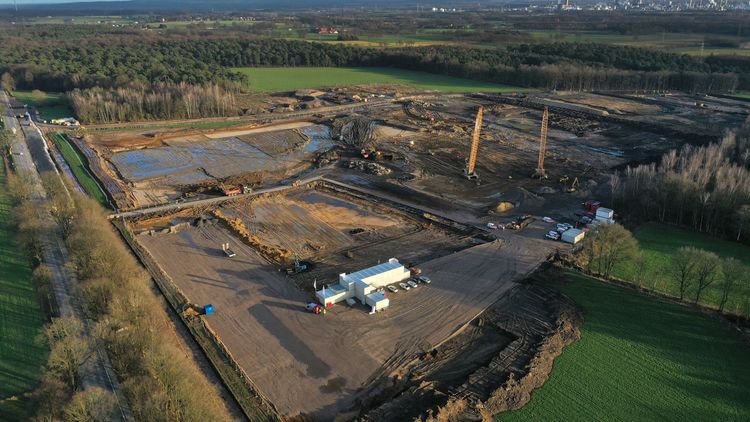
point(152, 102)
point(704, 188)
point(62, 66)
point(157, 377)
point(692, 271)
point(622, 22)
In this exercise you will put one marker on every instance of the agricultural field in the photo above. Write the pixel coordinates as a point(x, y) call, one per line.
point(51, 105)
point(641, 358)
point(79, 169)
point(21, 357)
point(679, 43)
point(659, 243)
point(276, 79)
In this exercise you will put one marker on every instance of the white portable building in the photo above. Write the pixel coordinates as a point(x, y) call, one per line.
point(605, 213)
point(573, 236)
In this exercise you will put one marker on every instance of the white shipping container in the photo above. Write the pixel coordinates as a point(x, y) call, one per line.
point(605, 213)
point(572, 236)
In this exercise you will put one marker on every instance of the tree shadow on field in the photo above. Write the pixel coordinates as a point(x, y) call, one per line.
point(689, 352)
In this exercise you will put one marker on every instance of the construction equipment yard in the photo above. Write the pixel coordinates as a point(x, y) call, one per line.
point(430, 181)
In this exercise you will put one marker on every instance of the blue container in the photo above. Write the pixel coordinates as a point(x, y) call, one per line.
point(209, 309)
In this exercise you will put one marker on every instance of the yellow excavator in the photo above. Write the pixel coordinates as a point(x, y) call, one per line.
point(573, 186)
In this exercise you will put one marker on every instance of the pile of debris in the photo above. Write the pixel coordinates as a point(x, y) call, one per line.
point(327, 157)
point(355, 131)
point(369, 167)
point(577, 125)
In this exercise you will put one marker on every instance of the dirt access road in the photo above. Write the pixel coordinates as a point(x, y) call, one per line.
point(315, 365)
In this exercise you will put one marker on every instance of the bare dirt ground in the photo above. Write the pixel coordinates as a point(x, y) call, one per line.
point(292, 354)
point(445, 348)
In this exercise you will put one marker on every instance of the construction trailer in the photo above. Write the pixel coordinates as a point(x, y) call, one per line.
point(572, 236)
point(364, 284)
point(605, 214)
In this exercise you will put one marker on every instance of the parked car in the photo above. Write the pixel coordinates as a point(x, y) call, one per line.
point(404, 286)
point(424, 279)
point(553, 235)
point(392, 289)
point(412, 284)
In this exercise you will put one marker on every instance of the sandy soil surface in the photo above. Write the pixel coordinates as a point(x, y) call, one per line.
point(315, 364)
point(263, 129)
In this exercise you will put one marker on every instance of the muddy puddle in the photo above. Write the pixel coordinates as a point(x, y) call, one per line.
point(186, 163)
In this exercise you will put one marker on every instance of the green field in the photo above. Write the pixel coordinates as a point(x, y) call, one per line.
point(21, 358)
point(659, 242)
point(51, 106)
point(276, 79)
point(80, 171)
point(642, 359)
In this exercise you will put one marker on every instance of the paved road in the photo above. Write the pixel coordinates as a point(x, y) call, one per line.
point(30, 155)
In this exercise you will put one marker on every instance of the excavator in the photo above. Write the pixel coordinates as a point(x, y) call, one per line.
point(573, 186)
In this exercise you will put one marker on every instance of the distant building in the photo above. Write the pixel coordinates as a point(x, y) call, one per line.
point(65, 121)
point(328, 31)
point(364, 285)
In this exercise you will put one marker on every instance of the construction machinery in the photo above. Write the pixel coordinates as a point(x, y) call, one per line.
point(315, 308)
point(299, 267)
point(230, 253)
point(573, 186)
point(540, 172)
point(230, 190)
point(370, 154)
point(470, 171)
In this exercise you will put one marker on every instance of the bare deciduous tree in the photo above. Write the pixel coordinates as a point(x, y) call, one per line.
point(91, 405)
point(683, 268)
point(49, 399)
point(732, 271)
point(69, 350)
point(705, 271)
point(705, 188)
point(607, 246)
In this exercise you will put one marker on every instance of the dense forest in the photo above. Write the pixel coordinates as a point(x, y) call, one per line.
point(107, 63)
point(705, 188)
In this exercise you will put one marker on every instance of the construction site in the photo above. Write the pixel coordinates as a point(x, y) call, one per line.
point(257, 219)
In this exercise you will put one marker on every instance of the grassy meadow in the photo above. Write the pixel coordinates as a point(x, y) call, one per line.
point(277, 79)
point(21, 357)
point(80, 171)
point(51, 105)
point(659, 242)
point(640, 358)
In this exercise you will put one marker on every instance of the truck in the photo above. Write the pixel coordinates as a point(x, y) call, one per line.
point(315, 308)
point(231, 191)
point(592, 205)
